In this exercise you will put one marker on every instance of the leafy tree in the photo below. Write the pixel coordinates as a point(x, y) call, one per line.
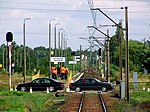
point(114, 47)
point(139, 54)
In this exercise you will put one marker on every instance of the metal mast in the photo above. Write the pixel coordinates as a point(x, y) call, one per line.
point(91, 5)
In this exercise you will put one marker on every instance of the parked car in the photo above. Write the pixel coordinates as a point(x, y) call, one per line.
point(90, 84)
point(41, 84)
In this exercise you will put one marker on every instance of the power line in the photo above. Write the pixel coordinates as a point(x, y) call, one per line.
point(44, 33)
point(69, 10)
point(60, 4)
point(53, 10)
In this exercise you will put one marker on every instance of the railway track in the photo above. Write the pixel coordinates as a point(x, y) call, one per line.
point(91, 102)
point(86, 102)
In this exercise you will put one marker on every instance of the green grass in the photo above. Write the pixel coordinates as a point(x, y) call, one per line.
point(139, 97)
point(16, 101)
point(139, 102)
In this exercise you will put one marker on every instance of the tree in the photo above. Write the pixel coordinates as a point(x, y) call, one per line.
point(138, 54)
point(114, 47)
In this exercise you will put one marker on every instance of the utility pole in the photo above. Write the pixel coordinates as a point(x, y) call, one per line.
point(64, 46)
point(127, 55)
point(55, 41)
point(105, 68)
point(9, 51)
point(59, 37)
point(127, 46)
point(3, 55)
point(55, 49)
point(29, 57)
point(100, 65)
point(20, 59)
point(80, 57)
point(120, 45)
point(99, 61)
point(6, 58)
point(90, 62)
point(65, 52)
point(108, 58)
point(50, 32)
point(9, 38)
point(17, 63)
point(24, 49)
point(120, 54)
point(14, 59)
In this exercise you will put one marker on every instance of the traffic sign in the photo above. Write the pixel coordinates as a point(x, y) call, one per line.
point(77, 58)
point(72, 62)
point(57, 59)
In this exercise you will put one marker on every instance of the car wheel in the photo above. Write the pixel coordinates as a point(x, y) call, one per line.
point(23, 88)
point(78, 89)
point(104, 89)
point(51, 89)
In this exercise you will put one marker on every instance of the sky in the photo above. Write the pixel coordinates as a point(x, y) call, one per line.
point(74, 15)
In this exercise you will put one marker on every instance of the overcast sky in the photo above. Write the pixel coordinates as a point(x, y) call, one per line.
point(75, 16)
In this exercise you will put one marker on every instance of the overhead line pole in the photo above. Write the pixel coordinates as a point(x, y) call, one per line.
point(108, 58)
point(127, 49)
point(99, 30)
point(127, 54)
point(3, 55)
point(105, 57)
point(80, 57)
point(106, 16)
point(120, 45)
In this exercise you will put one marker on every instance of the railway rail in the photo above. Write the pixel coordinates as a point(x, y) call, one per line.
point(86, 102)
point(97, 104)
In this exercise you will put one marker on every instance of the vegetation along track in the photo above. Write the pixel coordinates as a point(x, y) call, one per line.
point(85, 102)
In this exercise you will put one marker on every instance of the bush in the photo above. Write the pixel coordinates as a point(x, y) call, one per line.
point(114, 72)
point(3, 71)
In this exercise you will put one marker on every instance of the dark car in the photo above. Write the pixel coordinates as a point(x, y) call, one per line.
point(41, 84)
point(90, 84)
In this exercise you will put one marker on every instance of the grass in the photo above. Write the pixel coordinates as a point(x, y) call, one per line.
point(25, 101)
point(17, 101)
point(139, 102)
point(47, 102)
point(140, 96)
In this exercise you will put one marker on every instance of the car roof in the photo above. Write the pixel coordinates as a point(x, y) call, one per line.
point(88, 78)
point(42, 78)
point(48, 79)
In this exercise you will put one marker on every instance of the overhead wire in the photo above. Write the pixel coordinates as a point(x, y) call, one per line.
point(68, 10)
point(61, 4)
point(80, 11)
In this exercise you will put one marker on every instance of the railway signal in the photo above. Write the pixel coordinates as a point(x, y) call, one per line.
point(9, 38)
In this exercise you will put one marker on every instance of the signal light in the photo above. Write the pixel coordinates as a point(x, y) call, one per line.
point(9, 37)
point(99, 52)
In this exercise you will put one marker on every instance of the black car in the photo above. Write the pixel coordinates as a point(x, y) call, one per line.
point(41, 84)
point(90, 84)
